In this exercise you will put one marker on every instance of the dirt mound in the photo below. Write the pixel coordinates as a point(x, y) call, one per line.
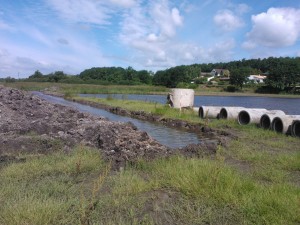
point(28, 123)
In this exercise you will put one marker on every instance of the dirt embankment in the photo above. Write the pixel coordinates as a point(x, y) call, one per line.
point(31, 124)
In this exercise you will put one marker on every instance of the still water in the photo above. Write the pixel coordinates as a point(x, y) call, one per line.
point(173, 138)
point(290, 106)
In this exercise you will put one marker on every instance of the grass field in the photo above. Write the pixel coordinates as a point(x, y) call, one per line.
point(72, 89)
point(255, 179)
point(242, 185)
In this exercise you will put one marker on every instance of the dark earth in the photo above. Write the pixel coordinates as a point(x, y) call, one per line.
point(29, 124)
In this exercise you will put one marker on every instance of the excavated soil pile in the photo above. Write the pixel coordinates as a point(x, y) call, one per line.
point(31, 124)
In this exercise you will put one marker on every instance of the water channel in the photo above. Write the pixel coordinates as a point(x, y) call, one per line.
point(170, 137)
point(290, 106)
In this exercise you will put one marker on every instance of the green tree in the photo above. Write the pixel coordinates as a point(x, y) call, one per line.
point(284, 73)
point(37, 74)
point(175, 75)
point(144, 77)
point(239, 77)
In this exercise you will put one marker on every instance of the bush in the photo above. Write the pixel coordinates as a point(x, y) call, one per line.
point(186, 85)
point(201, 80)
point(231, 88)
point(9, 80)
point(267, 90)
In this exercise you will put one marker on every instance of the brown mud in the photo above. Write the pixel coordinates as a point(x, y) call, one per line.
point(29, 124)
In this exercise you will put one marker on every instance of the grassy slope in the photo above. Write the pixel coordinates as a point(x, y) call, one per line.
point(76, 189)
point(254, 180)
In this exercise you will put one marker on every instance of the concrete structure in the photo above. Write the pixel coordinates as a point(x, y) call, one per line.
point(181, 98)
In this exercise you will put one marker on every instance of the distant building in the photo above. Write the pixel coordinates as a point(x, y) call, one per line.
point(220, 72)
point(257, 78)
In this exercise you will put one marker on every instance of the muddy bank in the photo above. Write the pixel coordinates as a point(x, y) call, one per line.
point(221, 137)
point(31, 124)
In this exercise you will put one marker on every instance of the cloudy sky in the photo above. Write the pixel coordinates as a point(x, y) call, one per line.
point(73, 35)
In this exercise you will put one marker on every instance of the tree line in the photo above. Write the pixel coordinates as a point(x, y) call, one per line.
point(97, 75)
point(283, 74)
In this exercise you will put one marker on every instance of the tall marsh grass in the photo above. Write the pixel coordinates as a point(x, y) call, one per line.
point(226, 191)
point(46, 189)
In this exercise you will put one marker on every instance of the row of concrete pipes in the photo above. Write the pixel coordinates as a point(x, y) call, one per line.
point(275, 120)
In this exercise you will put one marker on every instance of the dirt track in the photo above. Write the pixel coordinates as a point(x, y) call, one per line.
point(30, 124)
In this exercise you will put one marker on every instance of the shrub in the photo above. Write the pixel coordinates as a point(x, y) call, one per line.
point(231, 88)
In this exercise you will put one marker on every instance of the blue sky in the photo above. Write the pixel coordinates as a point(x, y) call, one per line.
point(73, 35)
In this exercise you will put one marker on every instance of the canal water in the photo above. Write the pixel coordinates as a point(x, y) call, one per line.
point(290, 106)
point(170, 137)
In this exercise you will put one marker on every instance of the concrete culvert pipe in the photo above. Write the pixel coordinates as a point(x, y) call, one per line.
point(250, 116)
point(296, 128)
point(267, 118)
point(230, 112)
point(180, 98)
point(209, 111)
point(282, 124)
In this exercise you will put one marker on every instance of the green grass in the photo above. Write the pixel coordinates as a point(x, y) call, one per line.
point(247, 200)
point(47, 189)
point(73, 89)
point(54, 189)
point(155, 108)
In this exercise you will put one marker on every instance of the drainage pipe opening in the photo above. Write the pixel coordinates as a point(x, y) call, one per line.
point(201, 112)
point(277, 125)
point(209, 112)
point(296, 128)
point(265, 122)
point(244, 118)
point(223, 114)
point(230, 112)
point(284, 123)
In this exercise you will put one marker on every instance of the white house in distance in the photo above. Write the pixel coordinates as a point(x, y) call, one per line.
point(223, 73)
point(257, 78)
point(219, 72)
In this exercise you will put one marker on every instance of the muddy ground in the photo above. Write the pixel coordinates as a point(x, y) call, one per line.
point(31, 124)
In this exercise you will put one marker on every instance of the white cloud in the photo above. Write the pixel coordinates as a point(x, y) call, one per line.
point(148, 34)
point(177, 19)
point(227, 21)
point(221, 51)
point(3, 52)
point(165, 18)
point(83, 11)
point(123, 3)
point(242, 8)
point(4, 26)
point(37, 35)
point(152, 38)
point(149, 30)
point(12, 63)
point(77, 53)
point(151, 33)
point(249, 45)
point(278, 27)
